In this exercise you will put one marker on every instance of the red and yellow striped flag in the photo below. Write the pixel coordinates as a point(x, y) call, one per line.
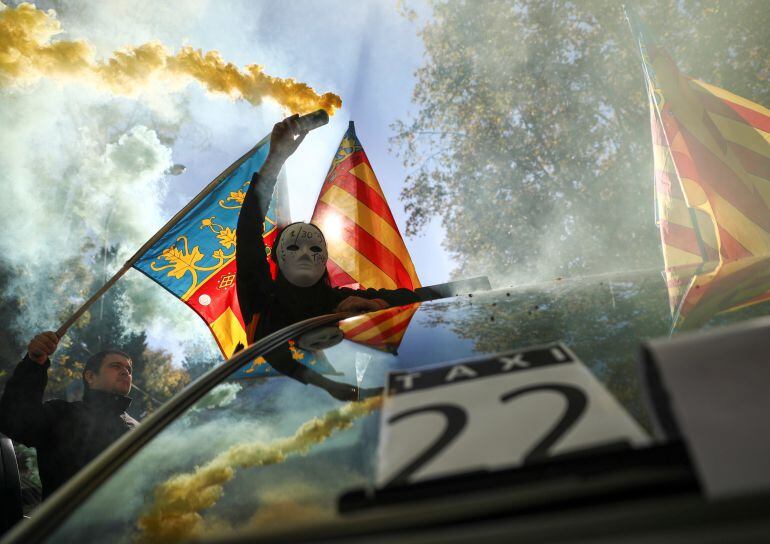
point(712, 175)
point(730, 286)
point(365, 246)
point(382, 330)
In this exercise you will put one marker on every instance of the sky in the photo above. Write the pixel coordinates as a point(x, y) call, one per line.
point(82, 161)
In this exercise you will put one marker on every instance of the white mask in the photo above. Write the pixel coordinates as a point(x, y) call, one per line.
point(302, 254)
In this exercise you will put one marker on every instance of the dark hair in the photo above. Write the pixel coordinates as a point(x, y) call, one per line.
point(94, 362)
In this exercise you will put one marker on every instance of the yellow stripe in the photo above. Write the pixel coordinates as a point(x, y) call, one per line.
point(358, 266)
point(363, 172)
point(382, 327)
point(228, 331)
point(694, 195)
point(746, 232)
point(352, 208)
point(744, 134)
point(673, 256)
point(677, 212)
point(701, 86)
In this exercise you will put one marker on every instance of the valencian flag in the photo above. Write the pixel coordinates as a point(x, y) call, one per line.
point(366, 249)
point(712, 184)
point(195, 259)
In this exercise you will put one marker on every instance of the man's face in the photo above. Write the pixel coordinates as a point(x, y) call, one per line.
point(114, 375)
point(302, 254)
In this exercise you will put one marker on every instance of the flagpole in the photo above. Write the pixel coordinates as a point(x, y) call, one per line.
point(62, 330)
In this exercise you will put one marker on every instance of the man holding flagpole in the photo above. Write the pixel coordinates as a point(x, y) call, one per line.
point(66, 435)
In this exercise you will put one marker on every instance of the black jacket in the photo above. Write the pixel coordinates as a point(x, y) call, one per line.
point(263, 310)
point(66, 435)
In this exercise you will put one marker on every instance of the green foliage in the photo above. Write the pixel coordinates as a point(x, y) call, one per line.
point(161, 377)
point(531, 139)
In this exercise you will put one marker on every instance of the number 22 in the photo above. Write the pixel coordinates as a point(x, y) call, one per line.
point(456, 419)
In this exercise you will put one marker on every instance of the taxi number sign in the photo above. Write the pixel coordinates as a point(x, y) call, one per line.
point(498, 412)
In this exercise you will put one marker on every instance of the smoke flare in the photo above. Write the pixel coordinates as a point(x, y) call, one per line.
point(27, 53)
point(174, 514)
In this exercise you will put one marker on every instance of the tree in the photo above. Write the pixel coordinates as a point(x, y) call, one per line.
point(161, 378)
point(531, 138)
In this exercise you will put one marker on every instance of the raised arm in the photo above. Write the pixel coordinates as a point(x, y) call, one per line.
point(252, 270)
point(253, 273)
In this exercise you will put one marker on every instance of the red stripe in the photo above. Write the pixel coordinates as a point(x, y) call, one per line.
point(753, 117)
point(686, 239)
point(366, 195)
point(731, 248)
point(382, 337)
point(715, 177)
point(343, 168)
point(680, 237)
point(732, 110)
point(752, 162)
point(369, 247)
point(337, 276)
point(372, 321)
point(219, 298)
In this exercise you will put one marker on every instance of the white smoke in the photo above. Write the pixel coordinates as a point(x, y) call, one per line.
point(76, 176)
point(83, 170)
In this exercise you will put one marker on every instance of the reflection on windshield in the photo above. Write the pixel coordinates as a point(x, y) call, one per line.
point(382, 330)
point(249, 453)
point(175, 510)
point(699, 292)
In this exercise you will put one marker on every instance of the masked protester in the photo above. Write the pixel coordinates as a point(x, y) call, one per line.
point(302, 288)
point(66, 435)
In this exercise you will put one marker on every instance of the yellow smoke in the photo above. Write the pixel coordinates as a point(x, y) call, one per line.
point(28, 54)
point(174, 513)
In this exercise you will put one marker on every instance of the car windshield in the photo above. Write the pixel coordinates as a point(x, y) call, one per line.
point(283, 437)
point(605, 167)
